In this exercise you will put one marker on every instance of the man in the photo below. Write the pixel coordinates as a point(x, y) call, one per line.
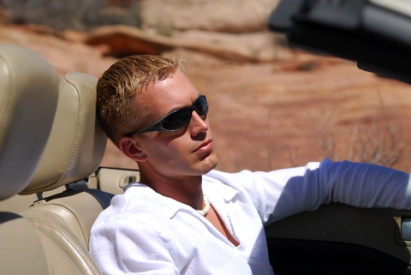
point(184, 217)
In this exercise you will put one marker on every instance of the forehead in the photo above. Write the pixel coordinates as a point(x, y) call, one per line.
point(172, 93)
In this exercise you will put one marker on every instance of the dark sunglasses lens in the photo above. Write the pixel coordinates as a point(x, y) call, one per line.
point(177, 120)
point(201, 106)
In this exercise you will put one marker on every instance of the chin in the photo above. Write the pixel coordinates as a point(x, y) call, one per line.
point(211, 163)
point(206, 164)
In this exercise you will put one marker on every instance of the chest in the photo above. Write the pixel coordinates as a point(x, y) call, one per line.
point(230, 240)
point(220, 226)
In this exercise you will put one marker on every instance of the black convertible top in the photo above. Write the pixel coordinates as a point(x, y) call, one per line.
point(374, 33)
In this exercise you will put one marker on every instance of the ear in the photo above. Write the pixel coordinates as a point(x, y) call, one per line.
point(131, 149)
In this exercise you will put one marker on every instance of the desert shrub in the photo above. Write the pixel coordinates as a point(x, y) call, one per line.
point(379, 144)
point(377, 140)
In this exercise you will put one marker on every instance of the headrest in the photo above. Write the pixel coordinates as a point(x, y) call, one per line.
point(77, 142)
point(28, 99)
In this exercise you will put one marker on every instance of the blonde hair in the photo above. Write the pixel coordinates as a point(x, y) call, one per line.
point(119, 86)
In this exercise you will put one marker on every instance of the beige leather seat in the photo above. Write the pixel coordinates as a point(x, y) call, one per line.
point(74, 151)
point(28, 98)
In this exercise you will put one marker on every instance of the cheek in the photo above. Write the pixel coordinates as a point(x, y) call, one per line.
point(167, 149)
point(170, 158)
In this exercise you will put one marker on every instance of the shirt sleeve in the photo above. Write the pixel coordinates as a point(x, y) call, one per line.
point(126, 247)
point(282, 193)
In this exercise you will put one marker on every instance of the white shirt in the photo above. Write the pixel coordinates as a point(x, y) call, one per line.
point(143, 232)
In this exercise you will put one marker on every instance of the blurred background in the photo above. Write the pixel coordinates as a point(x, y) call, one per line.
point(272, 106)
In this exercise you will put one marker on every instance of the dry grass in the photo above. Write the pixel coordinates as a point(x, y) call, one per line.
point(377, 140)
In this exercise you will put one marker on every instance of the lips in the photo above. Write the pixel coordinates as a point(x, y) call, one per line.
point(205, 146)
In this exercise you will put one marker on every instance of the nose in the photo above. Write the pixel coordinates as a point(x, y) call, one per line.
point(198, 124)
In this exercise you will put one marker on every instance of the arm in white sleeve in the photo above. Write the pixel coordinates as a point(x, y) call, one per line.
point(129, 247)
point(356, 184)
point(282, 193)
point(366, 185)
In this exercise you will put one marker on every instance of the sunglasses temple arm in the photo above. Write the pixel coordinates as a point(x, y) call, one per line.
point(144, 130)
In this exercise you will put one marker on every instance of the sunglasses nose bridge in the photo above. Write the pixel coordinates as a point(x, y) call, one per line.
point(197, 123)
point(197, 112)
point(201, 110)
point(196, 115)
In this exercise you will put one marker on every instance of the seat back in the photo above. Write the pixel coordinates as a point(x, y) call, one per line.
point(74, 151)
point(77, 142)
point(28, 99)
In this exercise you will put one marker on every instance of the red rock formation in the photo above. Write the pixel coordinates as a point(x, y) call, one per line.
point(280, 113)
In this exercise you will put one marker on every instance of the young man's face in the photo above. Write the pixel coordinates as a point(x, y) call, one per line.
point(186, 152)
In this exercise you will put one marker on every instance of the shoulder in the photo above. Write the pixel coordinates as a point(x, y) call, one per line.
point(138, 207)
point(227, 185)
point(232, 179)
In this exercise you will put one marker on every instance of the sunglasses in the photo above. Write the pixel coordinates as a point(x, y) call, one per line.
point(177, 119)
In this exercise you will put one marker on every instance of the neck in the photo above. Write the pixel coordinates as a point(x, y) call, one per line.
point(187, 190)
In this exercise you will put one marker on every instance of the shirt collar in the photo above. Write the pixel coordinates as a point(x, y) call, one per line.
point(167, 205)
point(213, 188)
